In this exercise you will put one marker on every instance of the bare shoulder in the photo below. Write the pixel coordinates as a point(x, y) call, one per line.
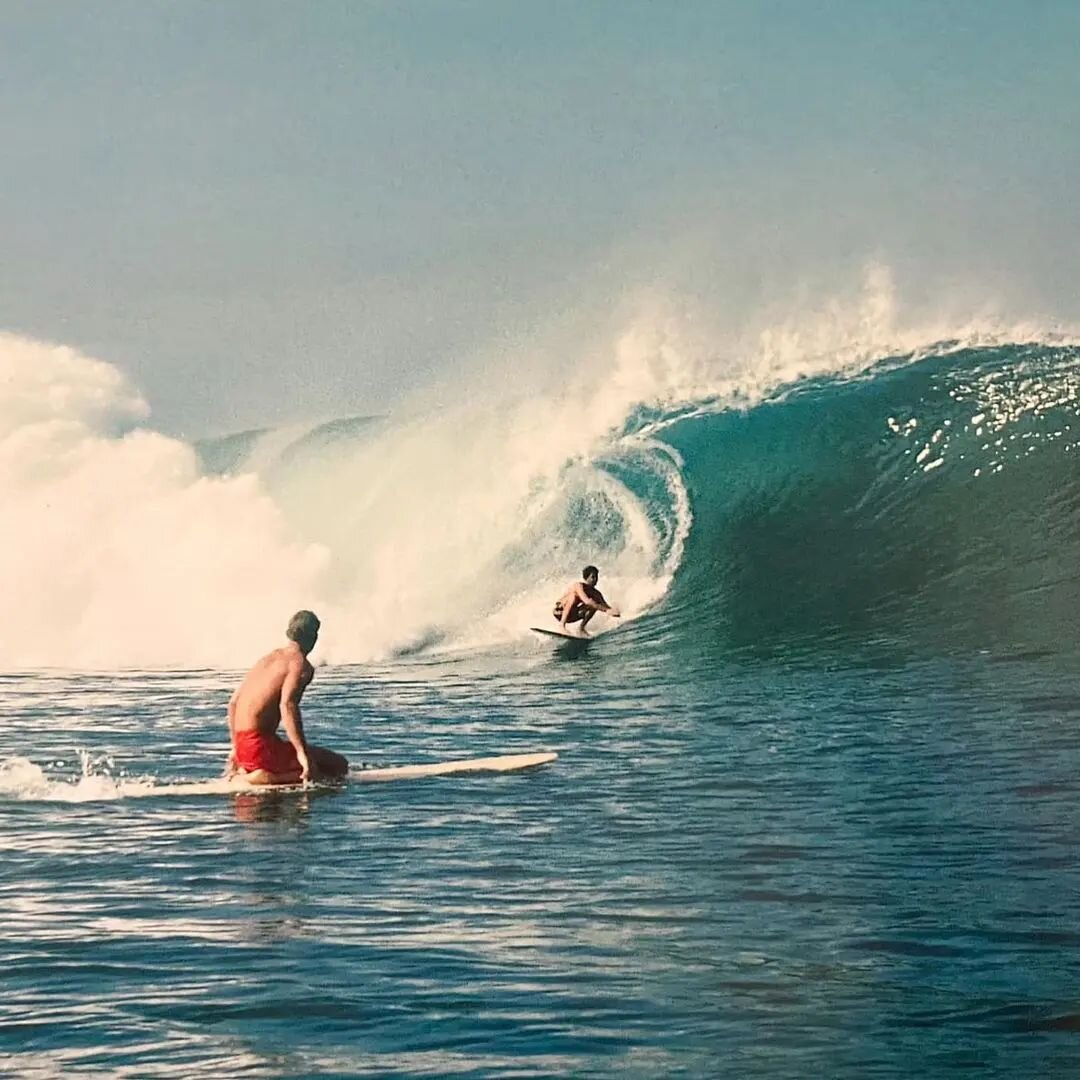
point(293, 661)
point(296, 666)
point(271, 660)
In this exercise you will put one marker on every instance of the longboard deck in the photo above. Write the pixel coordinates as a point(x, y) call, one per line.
point(380, 774)
point(504, 763)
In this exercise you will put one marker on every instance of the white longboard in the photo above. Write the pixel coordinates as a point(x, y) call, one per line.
point(558, 634)
point(380, 774)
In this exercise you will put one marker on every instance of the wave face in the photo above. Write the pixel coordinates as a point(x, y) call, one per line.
point(932, 503)
point(921, 500)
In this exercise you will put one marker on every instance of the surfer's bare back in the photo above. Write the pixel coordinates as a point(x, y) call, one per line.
point(270, 695)
point(582, 601)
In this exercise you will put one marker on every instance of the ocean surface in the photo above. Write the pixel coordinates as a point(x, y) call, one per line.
point(815, 806)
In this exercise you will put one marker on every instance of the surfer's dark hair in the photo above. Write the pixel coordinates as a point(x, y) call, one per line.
point(589, 571)
point(303, 627)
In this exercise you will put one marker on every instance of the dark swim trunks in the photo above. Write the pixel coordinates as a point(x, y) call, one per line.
point(577, 611)
point(254, 750)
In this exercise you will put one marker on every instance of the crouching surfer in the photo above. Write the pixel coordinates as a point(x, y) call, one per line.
point(270, 695)
point(582, 601)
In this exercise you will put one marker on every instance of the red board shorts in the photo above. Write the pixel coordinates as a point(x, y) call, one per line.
point(254, 750)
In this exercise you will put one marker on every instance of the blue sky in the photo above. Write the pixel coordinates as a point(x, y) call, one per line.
point(268, 211)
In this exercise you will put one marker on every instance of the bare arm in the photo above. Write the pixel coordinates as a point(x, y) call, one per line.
point(230, 765)
point(292, 689)
point(596, 601)
point(608, 609)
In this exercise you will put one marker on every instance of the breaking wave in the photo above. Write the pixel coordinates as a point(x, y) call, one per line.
point(829, 482)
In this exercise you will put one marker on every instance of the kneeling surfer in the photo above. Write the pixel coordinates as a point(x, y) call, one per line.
point(582, 601)
point(270, 695)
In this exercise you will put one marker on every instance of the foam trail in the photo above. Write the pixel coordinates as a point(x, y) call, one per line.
point(23, 781)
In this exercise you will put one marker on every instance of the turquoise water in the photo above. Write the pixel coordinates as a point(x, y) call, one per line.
point(766, 870)
point(814, 812)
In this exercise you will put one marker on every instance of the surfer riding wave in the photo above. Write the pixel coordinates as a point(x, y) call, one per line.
point(582, 601)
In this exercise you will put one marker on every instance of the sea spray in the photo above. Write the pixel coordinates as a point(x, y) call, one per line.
point(116, 551)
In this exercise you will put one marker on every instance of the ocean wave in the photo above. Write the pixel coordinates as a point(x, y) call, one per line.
point(839, 480)
point(932, 502)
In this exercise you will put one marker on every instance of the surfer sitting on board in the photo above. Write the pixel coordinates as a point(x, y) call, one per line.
point(582, 601)
point(270, 695)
